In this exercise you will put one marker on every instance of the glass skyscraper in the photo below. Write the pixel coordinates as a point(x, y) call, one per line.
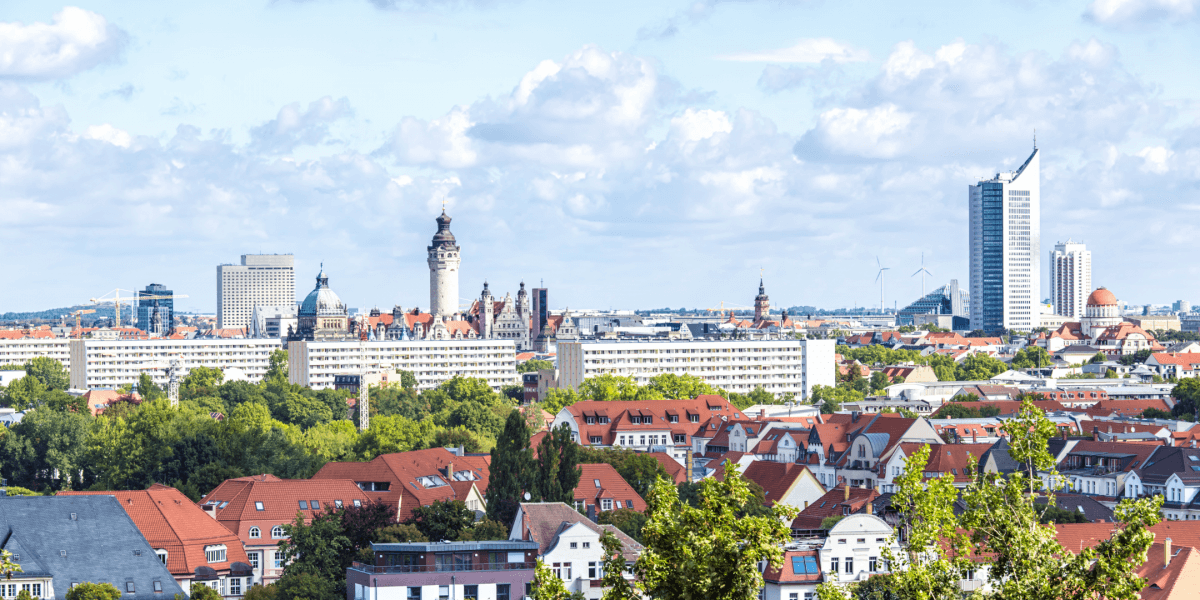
point(1005, 249)
point(156, 315)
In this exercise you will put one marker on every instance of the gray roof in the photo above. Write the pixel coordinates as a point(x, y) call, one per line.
point(76, 539)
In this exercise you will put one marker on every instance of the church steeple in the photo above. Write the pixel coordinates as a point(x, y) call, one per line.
point(762, 304)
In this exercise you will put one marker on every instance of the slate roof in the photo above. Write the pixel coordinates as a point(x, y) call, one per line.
point(172, 522)
point(82, 538)
point(1091, 508)
point(541, 522)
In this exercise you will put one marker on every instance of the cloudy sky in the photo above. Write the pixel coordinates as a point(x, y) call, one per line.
point(628, 153)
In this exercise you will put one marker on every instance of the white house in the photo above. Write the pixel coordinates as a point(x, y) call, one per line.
point(854, 549)
point(569, 544)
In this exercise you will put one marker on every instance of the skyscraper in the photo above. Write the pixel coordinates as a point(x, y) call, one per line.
point(156, 315)
point(1070, 278)
point(266, 279)
point(443, 270)
point(541, 316)
point(1005, 250)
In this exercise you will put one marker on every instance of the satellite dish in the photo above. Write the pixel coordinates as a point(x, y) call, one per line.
point(527, 496)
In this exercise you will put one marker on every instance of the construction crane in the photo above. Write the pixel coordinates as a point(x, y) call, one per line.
point(722, 308)
point(78, 314)
point(116, 300)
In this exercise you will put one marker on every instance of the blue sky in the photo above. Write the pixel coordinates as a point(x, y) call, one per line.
point(629, 154)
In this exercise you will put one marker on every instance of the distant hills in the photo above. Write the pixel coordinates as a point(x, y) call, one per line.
point(56, 314)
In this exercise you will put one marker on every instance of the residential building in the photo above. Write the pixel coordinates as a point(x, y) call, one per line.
point(113, 363)
point(7, 377)
point(1168, 472)
point(61, 541)
point(787, 484)
point(256, 508)
point(1070, 278)
point(156, 315)
point(267, 279)
point(444, 258)
point(417, 478)
point(316, 364)
point(1005, 249)
point(778, 366)
point(500, 570)
point(195, 548)
point(1095, 468)
point(944, 459)
point(855, 449)
point(602, 489)
point(1175, 365)
point(20, 350)
point(853, 551)
point(840, 501)
point(569, 544)
point(797, 578)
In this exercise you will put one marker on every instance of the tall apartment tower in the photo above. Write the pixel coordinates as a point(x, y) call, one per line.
point(261, 279)
point(443, 270)
point(1005, 249)
point(1070, 278)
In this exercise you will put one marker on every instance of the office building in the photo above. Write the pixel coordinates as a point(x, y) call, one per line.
point(112, 363)
point(1070, 278)
point(317, 364)
point(541, 317)
point(155, 314)
point(266, 279)
point(1181, 306)
point(1005, 249)
point(778, 366)
point(948, 300)
point(444, 259)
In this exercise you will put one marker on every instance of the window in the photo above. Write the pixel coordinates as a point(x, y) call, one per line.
point(597, 482)
point(595, 439)
point(258, 506)
point(314, 504)
point(470, 592)
point(162, 555)
point(502, 591)
point(861, 541)
point(592, 570)
point(357, 503)
point(278, 559)
point(158, 587)
point(606, 504)
point(562, 570)
point(833, 565)
point(674, 418)
point(129, 587)
point(587, 545)
point(794, 596)
point(255, 533)
point(694, 418)
point(841, 540)
point(629, 504)
point(622, 440)
point(277, 532)
point(214, 554)
point(574, 545)
point(872, 564)
point(849, 564)
point(443, 592)
point(337, 503)
point(303, 505)
point(235, 586)
point(253, 557)
point(414, 592)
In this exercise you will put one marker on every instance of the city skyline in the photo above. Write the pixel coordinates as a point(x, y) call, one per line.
point(629, 166)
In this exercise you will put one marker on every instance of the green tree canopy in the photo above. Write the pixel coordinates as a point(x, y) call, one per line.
point(534, 365)
point(978, 367)
point(442, 520)
point(679, 387)
point(557, 467)
point(639, 470)
point(512, 469)
point(49, 372)
point(1031, 356)
point(1186, 394)
point(93, 591)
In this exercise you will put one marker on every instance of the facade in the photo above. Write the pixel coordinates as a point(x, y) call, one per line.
point(261, 279)
point(1005, 249)
point(322, 316)
point(796, 579)
point(156, 316)
point(1070, 278)
point(273, 321)
point(62, 540)
point(113, 363)
point(22, 350)
point(569, 544)
point(256, 508)
point(316, 364)
point(443, 261)
point(947, 300)
point(778, 366)
point(494, 570)
point(1100, 329)
point(194, 547)
point(417, 478)
point(853, 551)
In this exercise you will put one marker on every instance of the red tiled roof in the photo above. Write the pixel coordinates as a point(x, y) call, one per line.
point(401, 471)
point(1186, 359)
point(660, 412)
point(598, 482)
point(171, 522)
point(949, 458)
point(1131, 407)
point(834, 503)
point(237, 509)
point(786, 574)
point(677, 471)
point(775, 478)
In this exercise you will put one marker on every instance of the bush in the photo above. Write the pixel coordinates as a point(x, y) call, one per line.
point(93, 591)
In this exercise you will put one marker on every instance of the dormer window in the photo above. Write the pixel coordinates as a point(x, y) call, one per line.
point(674, 418)
point(694, 418)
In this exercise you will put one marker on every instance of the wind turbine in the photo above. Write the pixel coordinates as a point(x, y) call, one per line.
point(879, 278)
point(922, 272)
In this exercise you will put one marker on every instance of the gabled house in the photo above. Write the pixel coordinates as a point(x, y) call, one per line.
point(796, 579)
point(841, 501)
point(60, 541)
point(789, 484)
point(853, 551)
point(872, 445)
point(1174, 474)
point(256, 508)
point(569, 544)
point(1099, 469)
point(944, 459)
point(194, 547)
point(417, 478)
point(782, 443)
point(602, 488)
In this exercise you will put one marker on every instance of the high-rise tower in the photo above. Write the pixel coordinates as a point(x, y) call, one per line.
point(443, 271)
point(261, 280)
point(486, 313)
point(1070, 278)
point(1005, 249)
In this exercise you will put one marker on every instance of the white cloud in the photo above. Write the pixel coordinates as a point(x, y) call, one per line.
point(695, 125)
point(110, 134)
point(813, 50)
point(75, 41)
point(1127, 12)
point(878, 132)
point(294, 127)
point(1156, 158)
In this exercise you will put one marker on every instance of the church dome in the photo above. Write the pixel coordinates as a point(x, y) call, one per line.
point(1102, 297)
point(322, 300)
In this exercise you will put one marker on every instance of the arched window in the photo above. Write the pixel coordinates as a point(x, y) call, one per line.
point(277, 532)
point(255, 533)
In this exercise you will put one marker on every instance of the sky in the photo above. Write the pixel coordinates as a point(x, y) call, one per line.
point(625, 154)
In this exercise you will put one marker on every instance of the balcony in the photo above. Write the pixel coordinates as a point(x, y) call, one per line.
point(389, 570)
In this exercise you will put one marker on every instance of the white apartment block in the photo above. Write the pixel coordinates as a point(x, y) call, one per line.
point(314, 364)
point(261, 279)
point(778, 366)
point(19, 352)
point(1005, 249)
point(113, 363)
point(1070, 278)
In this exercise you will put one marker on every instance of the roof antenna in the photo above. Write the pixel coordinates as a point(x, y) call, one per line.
point(1035, 139)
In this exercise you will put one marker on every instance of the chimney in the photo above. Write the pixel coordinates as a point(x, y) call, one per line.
point(1167, 553)
point(1064, 433)
point(870, 507)
point(591, 512)
point(974, 436)
point(847, 492)
point(450, 471)
point(1095, 433)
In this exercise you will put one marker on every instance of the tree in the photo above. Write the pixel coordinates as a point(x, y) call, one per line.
point(609, 387)
point(7, 566)
point(1030, 357)
point(200, 591)
point(393, 434)
point(93, 591)
point(408, 380)
point(317, 550)
point(629, 521)
point(613, 579)
point(512, 469)
point(978, 367)
point(397, 534)
point(24, 393)
point(260, 592)
point(442, 520)
point(1155, 413)
point(548, 586)
point(1187, 397)
point(147, 389)
point(47, 449)
point(879, 381)
point(306, 586)
point(828, 522)
point(558, 399)
point(201, 381)
point(708, 551)
point(534, 365)
point(49, 372)
point(360, 523)
point(461, 436)
point(278, 365)
point(558, 470)
point(1098, 358)
point(678, 387)
point(1052, 514)
point(483, 531)
point(639, 470)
